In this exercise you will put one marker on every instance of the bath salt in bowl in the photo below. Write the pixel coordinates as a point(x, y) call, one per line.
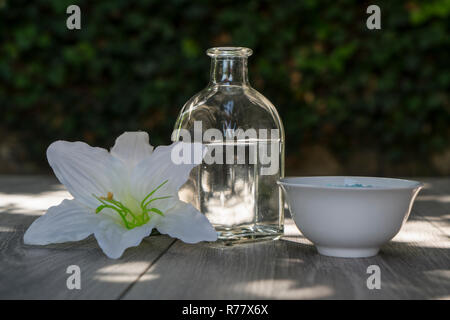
point(349, 217)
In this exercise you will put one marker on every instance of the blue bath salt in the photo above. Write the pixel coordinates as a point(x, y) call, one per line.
point(355, 185)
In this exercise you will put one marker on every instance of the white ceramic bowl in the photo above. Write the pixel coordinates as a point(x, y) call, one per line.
point(349, 216)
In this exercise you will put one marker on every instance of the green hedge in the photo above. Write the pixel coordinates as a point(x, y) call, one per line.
point(134, 64)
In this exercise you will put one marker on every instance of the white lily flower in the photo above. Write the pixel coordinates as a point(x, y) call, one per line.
point(119, 196)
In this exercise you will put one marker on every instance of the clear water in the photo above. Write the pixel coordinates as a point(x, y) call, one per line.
point(240, 202)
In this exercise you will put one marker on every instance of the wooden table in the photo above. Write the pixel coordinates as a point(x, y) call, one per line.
point(415, 264)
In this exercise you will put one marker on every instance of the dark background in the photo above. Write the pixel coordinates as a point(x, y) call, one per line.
point(353, 100)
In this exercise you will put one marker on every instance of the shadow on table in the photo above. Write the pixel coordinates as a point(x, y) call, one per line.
point(286, 269)
point(29, 185)
point(281, 269)
point(290, 270)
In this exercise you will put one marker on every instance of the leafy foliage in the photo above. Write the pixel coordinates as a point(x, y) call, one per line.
point(134, 64)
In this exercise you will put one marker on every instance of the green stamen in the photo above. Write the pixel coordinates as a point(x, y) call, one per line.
point(132, 219)
point(150, 201)
point(151, 193)
point(157, 211)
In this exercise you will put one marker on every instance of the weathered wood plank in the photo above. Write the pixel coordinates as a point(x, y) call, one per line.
point(36, 272)
point(433, 203)
point(291, 269)
point(414, 265)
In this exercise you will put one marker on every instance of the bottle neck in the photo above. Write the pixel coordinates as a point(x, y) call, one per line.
point(229, 71)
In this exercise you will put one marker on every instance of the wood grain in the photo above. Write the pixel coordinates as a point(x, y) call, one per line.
point(292, 269)
point(39, 272)
point(414, 265)
point(433, 203)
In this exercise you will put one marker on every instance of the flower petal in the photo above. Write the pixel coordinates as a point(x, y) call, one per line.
point(68, 221)
point(161, 167)
point(114, 239)
point(187, 224)
point(83, 169)
point(132, 148)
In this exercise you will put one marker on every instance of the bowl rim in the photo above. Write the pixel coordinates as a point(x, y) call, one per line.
point(286, 182)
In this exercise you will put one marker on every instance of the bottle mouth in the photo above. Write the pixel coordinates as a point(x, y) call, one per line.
point(229, 52)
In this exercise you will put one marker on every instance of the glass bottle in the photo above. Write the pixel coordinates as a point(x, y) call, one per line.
point(237, 124)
